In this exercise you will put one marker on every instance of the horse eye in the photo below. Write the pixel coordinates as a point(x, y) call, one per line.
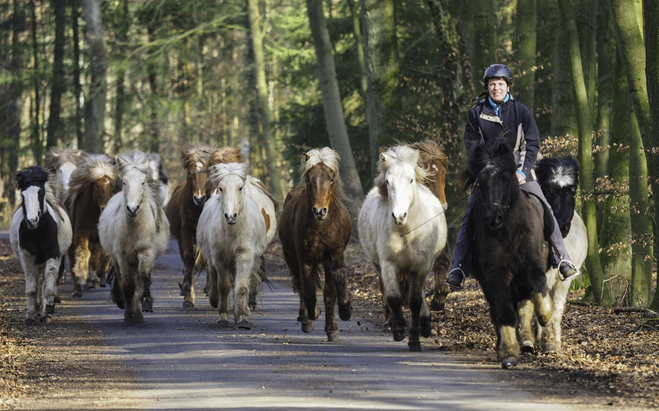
point(411, 181)
point(332, 180)
point(221, 189)
point(241, 188)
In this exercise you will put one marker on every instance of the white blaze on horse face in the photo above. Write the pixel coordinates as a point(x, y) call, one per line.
point(32, 207)
point(64, 174)
point(400, 187)
point(134, 189)
point(200, 176)
point(231, 197)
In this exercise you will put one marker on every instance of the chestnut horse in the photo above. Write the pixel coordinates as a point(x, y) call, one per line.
point(433, 159)
point(314, 230)
point(90, 188)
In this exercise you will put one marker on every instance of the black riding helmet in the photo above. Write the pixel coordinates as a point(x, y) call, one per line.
point(498, 71)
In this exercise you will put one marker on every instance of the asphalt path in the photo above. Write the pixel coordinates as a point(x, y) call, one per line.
point(182, 359)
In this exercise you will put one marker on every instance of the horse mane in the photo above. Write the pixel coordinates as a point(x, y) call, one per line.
point(57, 157)
point(224, 155)
point(90, 169)
point(498, 153)
point(430, 152)
point(395, 155)
point(195, 153)
point(560, 172)
point(137, 159)
point(260, 186)
point(38, 175)
point(218, 171)
point(329, 158)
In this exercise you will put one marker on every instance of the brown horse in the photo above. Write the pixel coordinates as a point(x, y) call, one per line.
point(314, 229)
point(433, 159)
point(184, 209)
point(90, 187)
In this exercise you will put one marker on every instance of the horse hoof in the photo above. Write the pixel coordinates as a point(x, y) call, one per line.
point(76, 295)
point(244, 324)
point(184, 292)
point(223, 323)
point(316, 314)
point(414, 346)
point(399, 335)
point(147, 307)
point(435, 306)
point(50, 309)
point(551, 348)
point(188, 304)
point(333, 336)
point(345, 312)
point(46, 319)
point(527, 347)
point(252, 306)
point(58, 299)
point(133, 319)
point(307, 326)
point(508, 363)
point(91, 284)
point(30, 322)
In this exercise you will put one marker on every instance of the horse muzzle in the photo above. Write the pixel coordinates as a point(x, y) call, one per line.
point(132, 211)
point(32, 224)
point(231, 218)
point(399, 219)
point(199, 201)
point(319, 214)
point(565, 229)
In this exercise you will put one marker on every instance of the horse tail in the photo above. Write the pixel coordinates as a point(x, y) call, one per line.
point(200, 262)
point(261, 272)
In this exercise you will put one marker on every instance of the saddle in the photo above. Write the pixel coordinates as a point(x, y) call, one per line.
point(547, 215)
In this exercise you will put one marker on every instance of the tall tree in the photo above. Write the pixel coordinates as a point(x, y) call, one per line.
point(482, 36)
point(333, 106)
point(651, 34)
point(564, 118)
point(630, 41)
point(54, 128)
point(382, 68)
point(37, 146)
point(585, 128)
point(526, 50)
point(77, 86)
point(98, 67)
point(606, 52)
point(120, 102)
point(265, 117)
point(359, 42)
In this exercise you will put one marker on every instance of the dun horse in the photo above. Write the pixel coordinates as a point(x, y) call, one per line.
point(232, 236)
point(510, 254)
point(134, 231)
point(40, 234)
point(314, 229)
point(559, 179)
point(403, 230)
point(91, 186)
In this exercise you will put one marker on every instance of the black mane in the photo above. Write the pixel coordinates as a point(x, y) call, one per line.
point(547, 168)
point(497, 153)
point(33, 175)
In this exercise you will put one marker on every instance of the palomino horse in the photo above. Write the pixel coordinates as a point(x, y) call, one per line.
point(232, 236)
point(268, 205)
point(314, 230)
point(91, 186)
point(403, 230)
point(559, 179)
point(134, 231)
point(510, 251)
point(433, 159)
point(40, 234)
point(183, 211)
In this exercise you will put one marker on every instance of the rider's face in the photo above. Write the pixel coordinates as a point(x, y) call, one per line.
point(497, 88)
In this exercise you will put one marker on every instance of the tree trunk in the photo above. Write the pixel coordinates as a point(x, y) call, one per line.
point(563, 119)
point(77, 87)
point(153, 127)
point(382, 68)
point(37, 146)
point(359, 43)
point(526, 50)
point(585, 126)
point(54, 128)
point(630, 41)
point(95, 101)
point(483, 38)
point(606, 54)
point(615, 234)
point(264, 114)
point(333, 106)
point(586, 21)
point(120, 103)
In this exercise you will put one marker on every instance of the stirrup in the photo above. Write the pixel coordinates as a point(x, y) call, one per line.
point(560, 274)
point(453, 286)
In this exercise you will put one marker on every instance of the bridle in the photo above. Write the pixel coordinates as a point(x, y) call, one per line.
point(504, 208)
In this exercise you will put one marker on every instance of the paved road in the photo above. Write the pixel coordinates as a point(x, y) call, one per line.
point(182, 360)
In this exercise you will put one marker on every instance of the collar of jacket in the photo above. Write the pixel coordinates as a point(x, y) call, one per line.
point(497, 106)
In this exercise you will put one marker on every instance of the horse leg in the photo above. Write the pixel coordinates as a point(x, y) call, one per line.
point(419, 312)
point(497, 284)
point(329, 298)
point(49, 290)
point(94, 259)
point(244, 266)
point(80, 270)
point(526, 337)
point(103, 268)
point(130, 288)
point(187, 288)
point(394, 301)
point(540, 295)
point(308, 309)
point(31, 287)
point(342, 292)
point(212, 286)
point(144, 281)
point(551, 334)
point(256, 279)
point(440, 269)
point(223, 280)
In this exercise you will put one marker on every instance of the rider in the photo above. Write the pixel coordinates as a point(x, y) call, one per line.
point(499, 115)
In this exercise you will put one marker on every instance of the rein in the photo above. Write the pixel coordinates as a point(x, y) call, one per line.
point(448, 205)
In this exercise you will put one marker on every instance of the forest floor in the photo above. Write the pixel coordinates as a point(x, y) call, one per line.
point(607, 359)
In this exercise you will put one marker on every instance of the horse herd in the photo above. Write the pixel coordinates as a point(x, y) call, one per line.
point(116, 215)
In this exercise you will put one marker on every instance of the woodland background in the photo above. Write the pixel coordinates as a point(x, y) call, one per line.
point(278, 77)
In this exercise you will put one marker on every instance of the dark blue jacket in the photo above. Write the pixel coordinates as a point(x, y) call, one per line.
point(516, 125)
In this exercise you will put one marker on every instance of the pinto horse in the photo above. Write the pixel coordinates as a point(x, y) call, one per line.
point(314, 230)
point(134, 231)
point(433, 159)
point(91, 187)
point(403, 230)
point(510, 252)
point(40, 234)
point(559, 180)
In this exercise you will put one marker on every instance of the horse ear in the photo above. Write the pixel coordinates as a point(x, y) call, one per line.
point(184, 154)
point(19, 180)
point(503, 149)
point(305, 157)
point(383, 157)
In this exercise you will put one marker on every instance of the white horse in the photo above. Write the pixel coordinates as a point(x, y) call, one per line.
point(559, 179)
point(231, 234)
point(61, 162)
point(134, 231)
point(402, 229)
point(40, 234)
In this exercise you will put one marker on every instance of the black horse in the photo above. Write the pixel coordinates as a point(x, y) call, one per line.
point(510, 252)
point(559, 180)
